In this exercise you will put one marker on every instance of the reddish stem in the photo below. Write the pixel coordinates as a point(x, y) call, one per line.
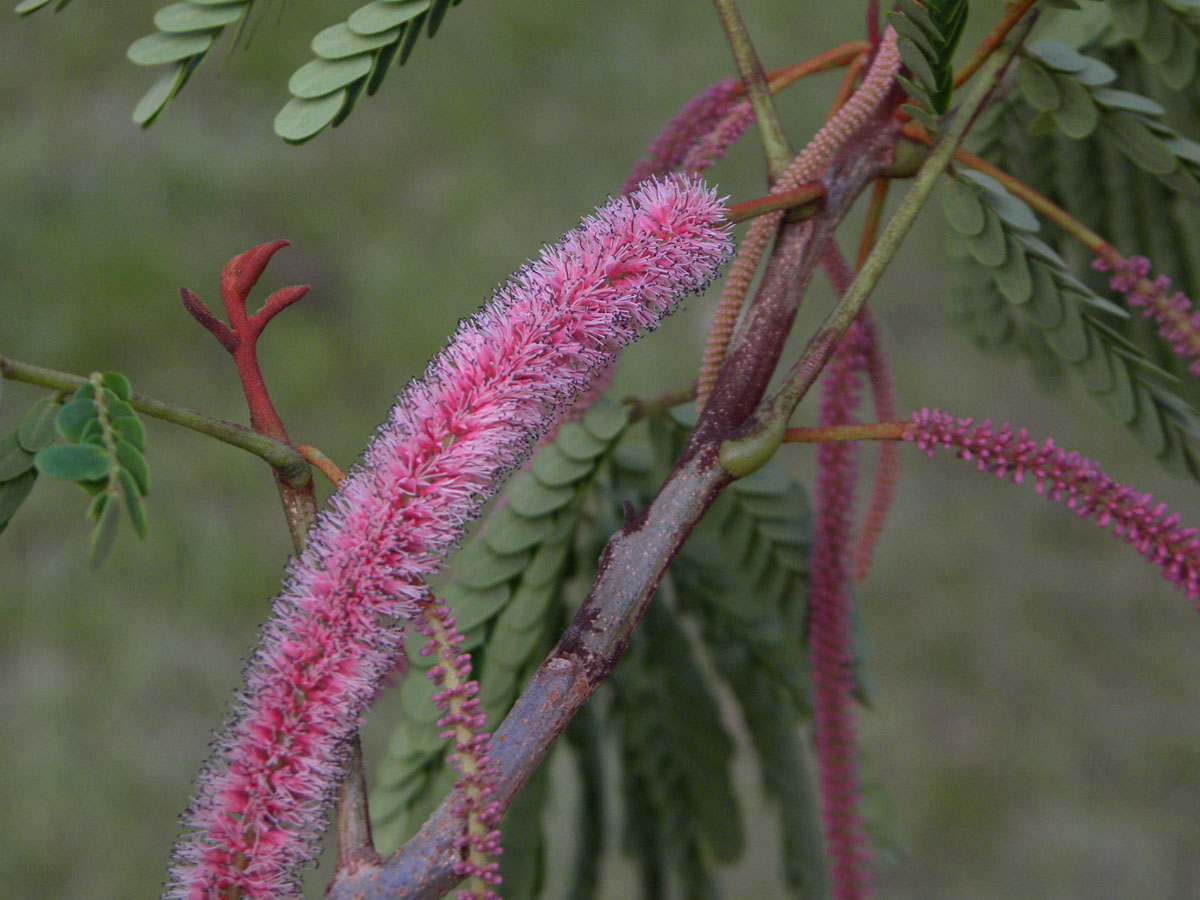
point(240, 339)
point(808, 193)
point(1007, 22)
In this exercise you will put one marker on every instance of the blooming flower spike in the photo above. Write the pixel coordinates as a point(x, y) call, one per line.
point(332, 636)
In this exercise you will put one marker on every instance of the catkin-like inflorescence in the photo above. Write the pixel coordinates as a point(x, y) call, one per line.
point(829, 623)
point(702, 115)
point(1178, 321)
point(808, 166)
point(1076, 482)
point(334, 631)
point(464, 719)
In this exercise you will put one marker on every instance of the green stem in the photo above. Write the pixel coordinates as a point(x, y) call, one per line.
point(805, 195)
point(778, 149)
point(287, 461)
point(767, 431)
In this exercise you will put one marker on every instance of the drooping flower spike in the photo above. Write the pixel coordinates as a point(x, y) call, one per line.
point(1178, 321)
point(464, 719)
point(334, 631)
point(1074, 481)
point(829, 621)
point(695, 123)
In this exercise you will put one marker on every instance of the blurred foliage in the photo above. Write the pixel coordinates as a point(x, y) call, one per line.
point(1036, 681)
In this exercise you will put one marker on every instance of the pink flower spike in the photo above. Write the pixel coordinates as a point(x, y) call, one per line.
point(262, 797)
point(698, 118)
point(1077, 483)
point(1178, 323)
point(829, 627)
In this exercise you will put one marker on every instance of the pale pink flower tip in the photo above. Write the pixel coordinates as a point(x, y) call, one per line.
point(333, 635)
point(1074, 481)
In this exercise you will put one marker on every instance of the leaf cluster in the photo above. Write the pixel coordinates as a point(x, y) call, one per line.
point(185, 32)
point(1000, 233)
point(929, 33)
point(739, 586)
point(506, 595)
point(105, 441)
point(1072, 92)
point(352, 59)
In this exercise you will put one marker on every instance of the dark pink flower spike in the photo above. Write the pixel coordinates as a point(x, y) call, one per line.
point(464, 720)
point(829, 629)
point(447, 444)
point(887, 464)
point(1074, 481)
point(1178, 322)
point(700, 116)
point(887, 458)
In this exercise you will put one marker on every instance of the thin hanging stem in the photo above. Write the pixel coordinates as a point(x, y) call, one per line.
point(1008, 21)
point(778, 149)
point(283, 458)
point(774, 413)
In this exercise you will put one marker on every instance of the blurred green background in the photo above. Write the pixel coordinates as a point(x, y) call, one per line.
point(1037, 717)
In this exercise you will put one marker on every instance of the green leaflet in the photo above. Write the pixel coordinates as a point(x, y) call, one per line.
point(103, 454)
point(186, 31)
point(742, 577)
point(929, 33)
point(1165, 33)
point(661, 701)
point(352, 58)
point(507, 598)
point(1079, 327)
point(1073, 93)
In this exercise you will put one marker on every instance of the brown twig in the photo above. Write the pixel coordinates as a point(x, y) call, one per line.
point(637, 556)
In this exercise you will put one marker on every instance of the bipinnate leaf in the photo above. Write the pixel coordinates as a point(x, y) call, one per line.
point(1165, 33)
point(352, 58)
point(185, 32)
point(1073, 93)
point(929, 33)
point(1078, 326)
point(661, 701)
point(506, 596)
point(742, 577)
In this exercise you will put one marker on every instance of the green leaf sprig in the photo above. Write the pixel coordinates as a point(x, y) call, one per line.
point(1000, 233)
point(929, 33)
point(353, 58)
point(103, 455)
point(1072, 92)
point(186, 31)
